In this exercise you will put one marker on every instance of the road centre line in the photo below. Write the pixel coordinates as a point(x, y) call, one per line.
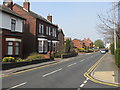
point(71, 64)
point(52, 72)
point(82, 85)
point(82, 60)
point(17, 86)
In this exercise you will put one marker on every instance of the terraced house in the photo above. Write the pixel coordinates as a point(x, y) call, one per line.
point(11, 32)
point(39, 32)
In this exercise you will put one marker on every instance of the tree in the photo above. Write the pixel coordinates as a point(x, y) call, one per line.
point(99, 43)
point(108, 23)
point(68, 45)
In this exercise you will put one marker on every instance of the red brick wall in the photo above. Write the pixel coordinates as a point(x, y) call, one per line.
point(9, 34)
point(29, 32)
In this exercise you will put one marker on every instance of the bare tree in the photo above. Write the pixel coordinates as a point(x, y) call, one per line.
point(107, 24)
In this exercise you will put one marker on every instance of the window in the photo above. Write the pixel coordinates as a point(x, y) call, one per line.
point(40, 46)
point(55, 33)
point(40, 28)
point(45, 46)
point(47, 30)
point(10, 48)
point(42, 31)
point(17, 48)
point(13, 24)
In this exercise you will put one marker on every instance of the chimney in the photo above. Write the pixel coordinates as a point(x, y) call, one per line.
point(49, 17)
point(8, 3)
point(26, 5)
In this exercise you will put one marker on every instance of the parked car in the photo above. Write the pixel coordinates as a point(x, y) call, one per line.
point(103, 51)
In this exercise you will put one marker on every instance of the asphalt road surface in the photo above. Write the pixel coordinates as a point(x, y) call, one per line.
point(69, 74)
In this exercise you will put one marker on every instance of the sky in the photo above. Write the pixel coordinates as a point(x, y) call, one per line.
point(77, 19)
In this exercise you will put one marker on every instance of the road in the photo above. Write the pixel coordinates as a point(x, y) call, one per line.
point(69, 74)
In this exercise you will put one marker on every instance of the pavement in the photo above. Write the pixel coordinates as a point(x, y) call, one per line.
point(106, 70)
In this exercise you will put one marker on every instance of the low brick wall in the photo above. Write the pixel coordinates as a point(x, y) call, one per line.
point(6, 66)
point(69, 55)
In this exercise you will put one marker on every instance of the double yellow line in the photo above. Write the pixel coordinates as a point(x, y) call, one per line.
point(87, 74)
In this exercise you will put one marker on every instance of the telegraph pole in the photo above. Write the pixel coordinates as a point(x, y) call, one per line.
point(114, 22)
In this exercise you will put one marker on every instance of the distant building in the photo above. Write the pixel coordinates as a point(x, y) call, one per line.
point(87, 42)
point(78, 43)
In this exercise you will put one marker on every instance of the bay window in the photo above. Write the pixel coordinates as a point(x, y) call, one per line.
point(40, 46)
point(10, 48)
point(17, 48)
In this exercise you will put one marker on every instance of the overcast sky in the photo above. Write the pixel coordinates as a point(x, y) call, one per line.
point(77, 19)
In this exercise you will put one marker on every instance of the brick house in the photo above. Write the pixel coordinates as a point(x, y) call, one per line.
point(61, 35)
point(11, 32)
point(78, 43)
point(88, 43)
point(39, 32)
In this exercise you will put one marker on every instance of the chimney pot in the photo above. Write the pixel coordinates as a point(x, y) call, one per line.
point(26, 5)
point(49, 17)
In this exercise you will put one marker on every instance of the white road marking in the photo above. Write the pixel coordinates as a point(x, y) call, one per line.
point(82, 85)
point(52, 72)
point(17, 85)
point(71, 64)
point(82, 60)
point(85, 81)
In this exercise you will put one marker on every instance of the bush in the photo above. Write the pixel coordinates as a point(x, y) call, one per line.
point(112, 48)
point(20, 60)
point(117, 57)
point(8, 59)
point(58, 55)
point(34, 56)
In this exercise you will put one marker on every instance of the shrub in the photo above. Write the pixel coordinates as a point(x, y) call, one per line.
point(58, 55)
point(20, 60)
point(117, 57)
point(34, 56)
point(8, 59)
point(112, 48)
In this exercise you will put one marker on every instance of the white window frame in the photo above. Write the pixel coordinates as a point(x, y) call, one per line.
point(39, 46)
point(49, 31)
point(13, 25)
point(40, 28)
point(8, 46)
point(55, 32)
point(17, 47)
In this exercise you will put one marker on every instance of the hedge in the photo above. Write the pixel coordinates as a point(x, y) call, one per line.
point(117, 57)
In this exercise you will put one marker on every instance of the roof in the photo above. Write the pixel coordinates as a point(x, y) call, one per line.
point(9, 11)
point(35, 15)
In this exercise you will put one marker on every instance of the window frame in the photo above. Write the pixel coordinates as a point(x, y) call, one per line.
point(10, 46)
point(17, 46)
point(13, 25)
